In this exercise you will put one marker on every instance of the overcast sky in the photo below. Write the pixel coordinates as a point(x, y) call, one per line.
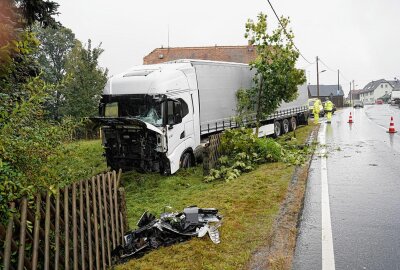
point(359, 37)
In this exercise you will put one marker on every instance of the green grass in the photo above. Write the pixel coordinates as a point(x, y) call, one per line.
point(249, 205)
point(78, 160)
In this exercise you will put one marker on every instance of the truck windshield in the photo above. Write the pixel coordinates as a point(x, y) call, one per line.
point(143, 107)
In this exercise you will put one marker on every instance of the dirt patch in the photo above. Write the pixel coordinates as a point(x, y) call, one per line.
point(278, 251)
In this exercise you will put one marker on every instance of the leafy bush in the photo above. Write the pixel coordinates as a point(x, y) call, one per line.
point(269, 150)
point(241, 151)
point(27, 142)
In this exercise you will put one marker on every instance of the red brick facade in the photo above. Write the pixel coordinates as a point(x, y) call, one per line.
point(239, 54)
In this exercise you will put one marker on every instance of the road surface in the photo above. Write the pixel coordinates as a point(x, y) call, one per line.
point(351, 216)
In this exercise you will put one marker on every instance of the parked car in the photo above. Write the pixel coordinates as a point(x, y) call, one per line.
point(358, 104)
point(311, 102)
point(379, 101)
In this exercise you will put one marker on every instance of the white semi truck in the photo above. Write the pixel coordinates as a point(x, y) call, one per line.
point(157, 117)
point(395, 97)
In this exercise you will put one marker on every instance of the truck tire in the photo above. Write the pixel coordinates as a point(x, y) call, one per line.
point(285, 126)
point(293, 123)
point(277, 129)
point(187, 160)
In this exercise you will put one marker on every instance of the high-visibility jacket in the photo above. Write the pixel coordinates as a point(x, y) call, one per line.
point(317, 105)
point(328, 106)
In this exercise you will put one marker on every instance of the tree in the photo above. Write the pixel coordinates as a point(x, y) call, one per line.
point(84, 81)
point(55, 45)
point(16, 42)
point(276, 78)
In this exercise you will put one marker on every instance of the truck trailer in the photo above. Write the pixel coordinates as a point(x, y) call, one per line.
point(395, 97)
point(157, 117)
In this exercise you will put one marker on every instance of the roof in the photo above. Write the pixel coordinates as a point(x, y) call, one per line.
point(325, 90)
point(371, 86)
point(239, 54)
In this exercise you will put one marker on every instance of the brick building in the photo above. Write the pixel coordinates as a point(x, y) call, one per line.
point(239, 54)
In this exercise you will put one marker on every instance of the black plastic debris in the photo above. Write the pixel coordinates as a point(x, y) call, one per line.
point(169, 229)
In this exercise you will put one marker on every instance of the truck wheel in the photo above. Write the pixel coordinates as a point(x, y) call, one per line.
point(277, 129)
point(186, 160)
point(285, 126)
point(293, 123)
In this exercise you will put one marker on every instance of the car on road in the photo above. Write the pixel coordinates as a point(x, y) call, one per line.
point(311, 102)
point(379, 101)
point(358, 104)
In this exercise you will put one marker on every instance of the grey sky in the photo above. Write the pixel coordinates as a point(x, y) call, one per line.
point(359, 37)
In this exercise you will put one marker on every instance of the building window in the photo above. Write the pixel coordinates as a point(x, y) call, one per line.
point(381, 85)
point(385, 85)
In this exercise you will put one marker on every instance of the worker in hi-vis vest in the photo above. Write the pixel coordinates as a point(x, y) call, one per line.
point(316, 110)
point(328, 109)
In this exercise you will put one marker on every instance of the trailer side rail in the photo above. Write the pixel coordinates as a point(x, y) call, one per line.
point(227, 123)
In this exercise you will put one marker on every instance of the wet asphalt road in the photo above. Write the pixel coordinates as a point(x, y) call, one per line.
point(363, 179)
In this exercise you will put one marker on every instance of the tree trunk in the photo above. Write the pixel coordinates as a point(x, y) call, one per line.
point(259, 105)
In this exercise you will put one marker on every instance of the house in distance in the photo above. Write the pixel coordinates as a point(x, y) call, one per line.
point(333, 92)
point(239, 54)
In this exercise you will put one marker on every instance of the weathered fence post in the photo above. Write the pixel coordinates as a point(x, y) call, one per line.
point(77, 219)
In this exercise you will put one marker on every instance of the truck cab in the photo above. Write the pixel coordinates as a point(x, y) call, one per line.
point(147, 118)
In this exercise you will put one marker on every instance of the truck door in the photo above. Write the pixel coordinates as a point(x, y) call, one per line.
point(175, 132)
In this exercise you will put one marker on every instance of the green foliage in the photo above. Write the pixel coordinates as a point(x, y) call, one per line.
point(27, 141)
point(241, 151)
point(17, 64)
point(55, 45)
point(269, 150)
point(15, 42)
point(245, 106)
point(84, 82)
point(11, 188)
point(276, 77)
point(296, 154)
point(37, 11)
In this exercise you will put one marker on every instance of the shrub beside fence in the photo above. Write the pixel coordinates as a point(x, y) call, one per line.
point(75, 228)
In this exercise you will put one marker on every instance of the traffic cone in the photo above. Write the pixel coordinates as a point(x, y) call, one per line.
point(350, 119)
point(391, 127)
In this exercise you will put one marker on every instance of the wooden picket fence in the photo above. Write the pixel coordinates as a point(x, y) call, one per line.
point(75, 228)
point(211, 153)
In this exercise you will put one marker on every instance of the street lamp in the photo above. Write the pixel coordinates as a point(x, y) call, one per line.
point(318, 80)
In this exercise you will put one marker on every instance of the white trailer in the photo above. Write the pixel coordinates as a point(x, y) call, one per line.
point(155, 117)
point(395, 97)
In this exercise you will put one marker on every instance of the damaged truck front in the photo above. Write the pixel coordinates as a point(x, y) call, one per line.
point(146, 123)
point(132, 131)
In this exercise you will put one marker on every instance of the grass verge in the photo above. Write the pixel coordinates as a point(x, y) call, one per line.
point(249, 205)
point(78, 160)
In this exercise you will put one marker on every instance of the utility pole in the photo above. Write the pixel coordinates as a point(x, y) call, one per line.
point(317, 79)
point(351, 95)
point(338, 90)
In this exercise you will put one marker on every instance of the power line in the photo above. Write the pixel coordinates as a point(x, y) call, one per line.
point(309, 65)
point(340, 73)
point(331, 69)
point(284, 29)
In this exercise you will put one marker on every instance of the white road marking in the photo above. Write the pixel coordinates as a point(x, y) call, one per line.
point(328, 259)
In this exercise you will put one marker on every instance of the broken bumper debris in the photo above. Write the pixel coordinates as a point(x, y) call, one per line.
point(169, 229)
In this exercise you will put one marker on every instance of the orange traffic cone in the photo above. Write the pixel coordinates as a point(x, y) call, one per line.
point(350, 119)
point(391, 127)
